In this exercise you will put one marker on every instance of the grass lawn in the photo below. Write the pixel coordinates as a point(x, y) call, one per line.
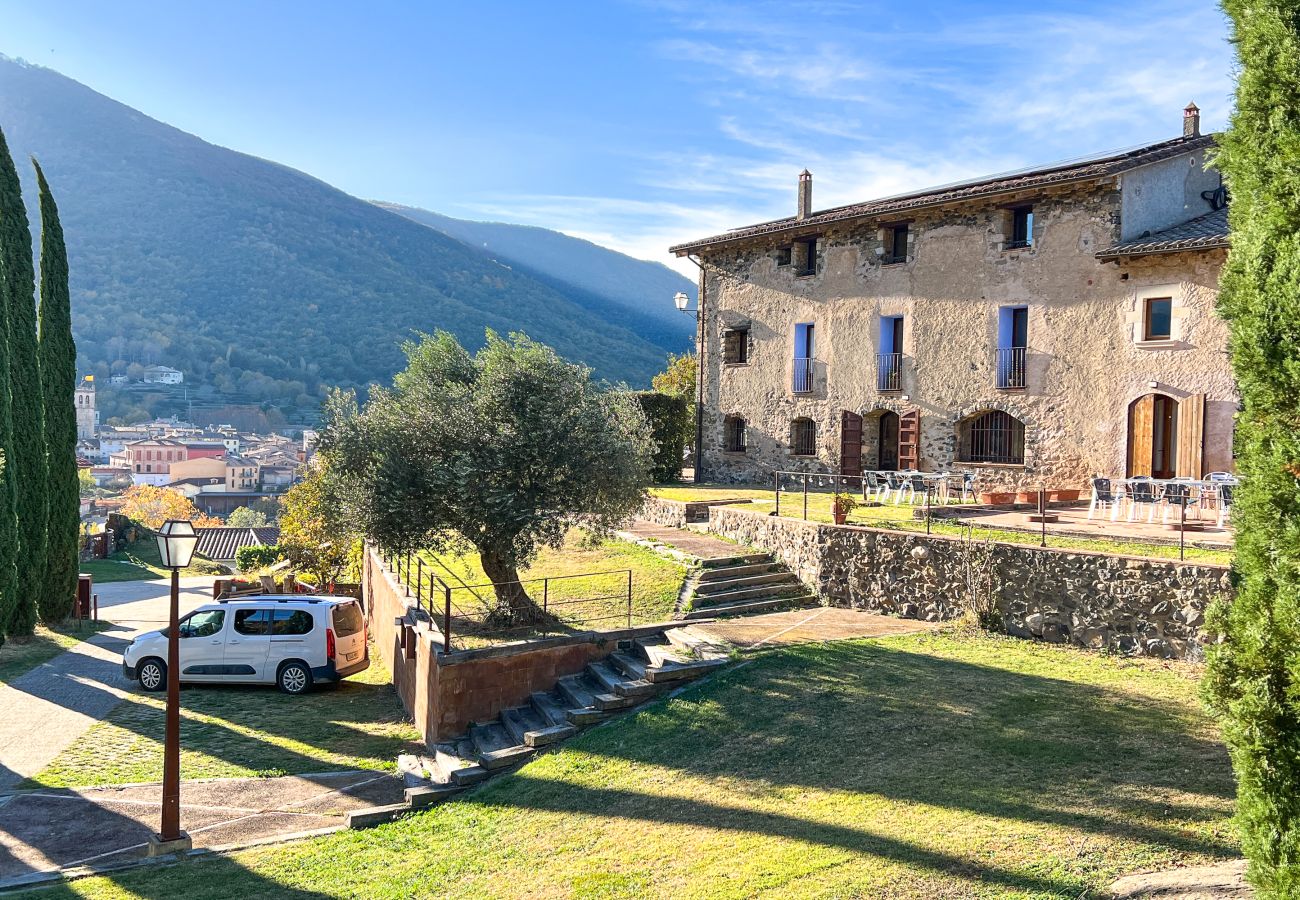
point(899, 517)
point(931, 766)
point(242, 731)
point(139, 562)
point(18, 655)
point(655, 580)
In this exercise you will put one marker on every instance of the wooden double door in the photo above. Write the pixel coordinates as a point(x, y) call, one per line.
point(897, 441)
point(1166, 436)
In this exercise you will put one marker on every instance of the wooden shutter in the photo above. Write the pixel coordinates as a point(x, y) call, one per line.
point(1141, 427)
point(909, 439)
point(850, 443)
point(1191, 436)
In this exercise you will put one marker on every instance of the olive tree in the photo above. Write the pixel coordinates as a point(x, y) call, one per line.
point(498, 451)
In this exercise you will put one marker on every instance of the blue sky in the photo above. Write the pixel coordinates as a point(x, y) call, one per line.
point(639, 123)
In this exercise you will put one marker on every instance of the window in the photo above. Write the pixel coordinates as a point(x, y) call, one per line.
point(803, 358)
point(347, 619)
point(291, 622)
point(1022, 228)
point(889, 361)
point(1157, 316)
point(803, 437)
point(896, 245)
point(783, 255)
point(992, 437)
point(253, 621)
point(735, 346)
point(734, 428)
point(205, 623)
point(805, 256)
point(1013, 337)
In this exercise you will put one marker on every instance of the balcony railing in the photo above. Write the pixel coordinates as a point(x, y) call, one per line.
point(1010, 367)
point(803, 376)
point(889, 371)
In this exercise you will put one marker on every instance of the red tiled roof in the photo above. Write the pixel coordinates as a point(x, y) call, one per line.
point(1205, 232)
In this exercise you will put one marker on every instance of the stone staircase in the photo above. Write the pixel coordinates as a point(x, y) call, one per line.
point(635, 673)
point(739, 585)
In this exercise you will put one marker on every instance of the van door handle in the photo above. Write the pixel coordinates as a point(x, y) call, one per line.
point(216, 642)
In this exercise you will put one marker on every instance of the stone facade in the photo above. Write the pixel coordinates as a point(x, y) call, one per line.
point(1086, 359)
point(1124, 604)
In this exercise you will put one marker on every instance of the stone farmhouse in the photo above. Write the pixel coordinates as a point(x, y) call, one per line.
point(1041, 326)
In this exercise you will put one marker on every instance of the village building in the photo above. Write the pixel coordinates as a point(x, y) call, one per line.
point(1036, 327)
point(87, 415)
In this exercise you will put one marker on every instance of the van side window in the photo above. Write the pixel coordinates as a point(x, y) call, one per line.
point(347, 619)
point(253, 621)
point(203, 624)
point(291, 621)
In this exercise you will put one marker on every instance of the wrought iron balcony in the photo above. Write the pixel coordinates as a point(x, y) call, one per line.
point(1010, 364)
point(889, 371)
point(803, 376)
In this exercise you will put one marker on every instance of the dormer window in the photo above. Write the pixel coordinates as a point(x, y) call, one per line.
point(1022, 228)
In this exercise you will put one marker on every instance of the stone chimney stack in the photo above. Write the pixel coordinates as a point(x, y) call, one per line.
point(1192, 121)
point(805, 195)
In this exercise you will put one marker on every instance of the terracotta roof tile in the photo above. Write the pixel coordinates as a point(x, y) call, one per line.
point(1202, 233)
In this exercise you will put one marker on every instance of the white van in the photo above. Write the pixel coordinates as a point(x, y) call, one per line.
point(288, 640)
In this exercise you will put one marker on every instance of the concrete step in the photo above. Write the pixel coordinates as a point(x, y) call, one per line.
point(672, 663)
point(749, 607)
point(582, 694)
point(724, 572)
point(550, 708)
point(741, 559)
point(531, 729)
point(430, 795)
point(496, 747)
point(458, 764)
point(613, 681)
point(630, 664)
point(744, 581)
point(762, 592)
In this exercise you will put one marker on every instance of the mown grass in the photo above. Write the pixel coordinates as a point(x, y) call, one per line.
point(899, 517)
point(20, 655)
point(232, 731)
point(926, 766)
point(140, 562)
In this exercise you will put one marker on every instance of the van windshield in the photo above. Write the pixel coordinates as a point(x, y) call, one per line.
point(347, 619)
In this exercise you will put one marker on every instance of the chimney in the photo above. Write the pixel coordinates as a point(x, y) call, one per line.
point(805, 195)
point(1191, 121)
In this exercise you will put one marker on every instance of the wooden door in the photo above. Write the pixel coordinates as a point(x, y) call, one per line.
point(1164, 437)
point(850, 443)
point(1191, 437)
point(887, 442)
point(1141, 414)
point(909, 439)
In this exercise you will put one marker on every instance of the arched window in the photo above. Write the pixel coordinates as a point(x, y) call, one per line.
point(803, 437)
point(991, 437)
point(734, 434)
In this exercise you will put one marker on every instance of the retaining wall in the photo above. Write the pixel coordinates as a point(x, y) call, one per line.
point(1130, 605)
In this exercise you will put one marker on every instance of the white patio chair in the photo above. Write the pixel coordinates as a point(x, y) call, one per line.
point(1102, 497)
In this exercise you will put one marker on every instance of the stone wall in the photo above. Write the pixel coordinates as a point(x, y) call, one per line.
point(669, 513)
point(1129, 605)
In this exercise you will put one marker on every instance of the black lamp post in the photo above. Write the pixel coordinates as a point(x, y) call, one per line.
point(682, 302)
point(176, 542)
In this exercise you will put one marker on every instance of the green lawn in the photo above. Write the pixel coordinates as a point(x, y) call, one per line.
point(899, 517)
point(139, 562)
point(241, 731)
point(933, 766)
point(655, 580)
point(20, 655)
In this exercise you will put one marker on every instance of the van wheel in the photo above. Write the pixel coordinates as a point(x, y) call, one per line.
point(295, 678)
point(152, 675)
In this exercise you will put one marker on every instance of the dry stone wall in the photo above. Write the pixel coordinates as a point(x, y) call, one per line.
point(1124, 604)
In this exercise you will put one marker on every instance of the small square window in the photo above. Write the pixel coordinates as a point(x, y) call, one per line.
point(735, 434)
point(784, 255)
point(735, 346)
point(1157, 318)
point(1022, 228)
point(896, 245)
point(805, 257)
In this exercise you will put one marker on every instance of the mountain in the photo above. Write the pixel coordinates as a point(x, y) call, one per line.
point(266, 286)
point(642, 289)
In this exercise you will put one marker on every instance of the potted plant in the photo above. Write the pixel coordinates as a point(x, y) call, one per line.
point(842, 506)
point(997, 498)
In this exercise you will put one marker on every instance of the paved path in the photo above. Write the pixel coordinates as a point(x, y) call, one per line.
point(691, 543)
point(51, 829)
point(800, 626)
point(44, 711)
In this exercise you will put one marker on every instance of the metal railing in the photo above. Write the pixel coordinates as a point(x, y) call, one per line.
point(803, 376)
point(1010, 362)
point(889, 371)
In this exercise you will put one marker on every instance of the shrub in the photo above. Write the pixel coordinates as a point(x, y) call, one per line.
point(258, 557)
point(666, 414)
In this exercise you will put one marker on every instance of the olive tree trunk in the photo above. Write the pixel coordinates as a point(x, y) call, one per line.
point(514, 606)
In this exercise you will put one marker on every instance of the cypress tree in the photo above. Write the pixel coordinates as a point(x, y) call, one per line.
point(10, 600)
point(1253, 678)
point(26, 456)
point(57, 356)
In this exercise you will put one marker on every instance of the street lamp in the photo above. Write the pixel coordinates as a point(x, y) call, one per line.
point(176, 542)
point(682, 302)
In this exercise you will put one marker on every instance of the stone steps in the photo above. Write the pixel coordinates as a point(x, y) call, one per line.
point(637, 672)
point(750, 607)
point(746, 582)
point(742, 585)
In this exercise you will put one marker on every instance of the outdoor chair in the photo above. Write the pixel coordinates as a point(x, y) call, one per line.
point(917, 487)
point(1102, 497)
point(871, 486)
point(1142, 492)
point(1219, 476)
point(1225, 500)
point(967, 487)
point(1177, 495)
point(895, 484)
